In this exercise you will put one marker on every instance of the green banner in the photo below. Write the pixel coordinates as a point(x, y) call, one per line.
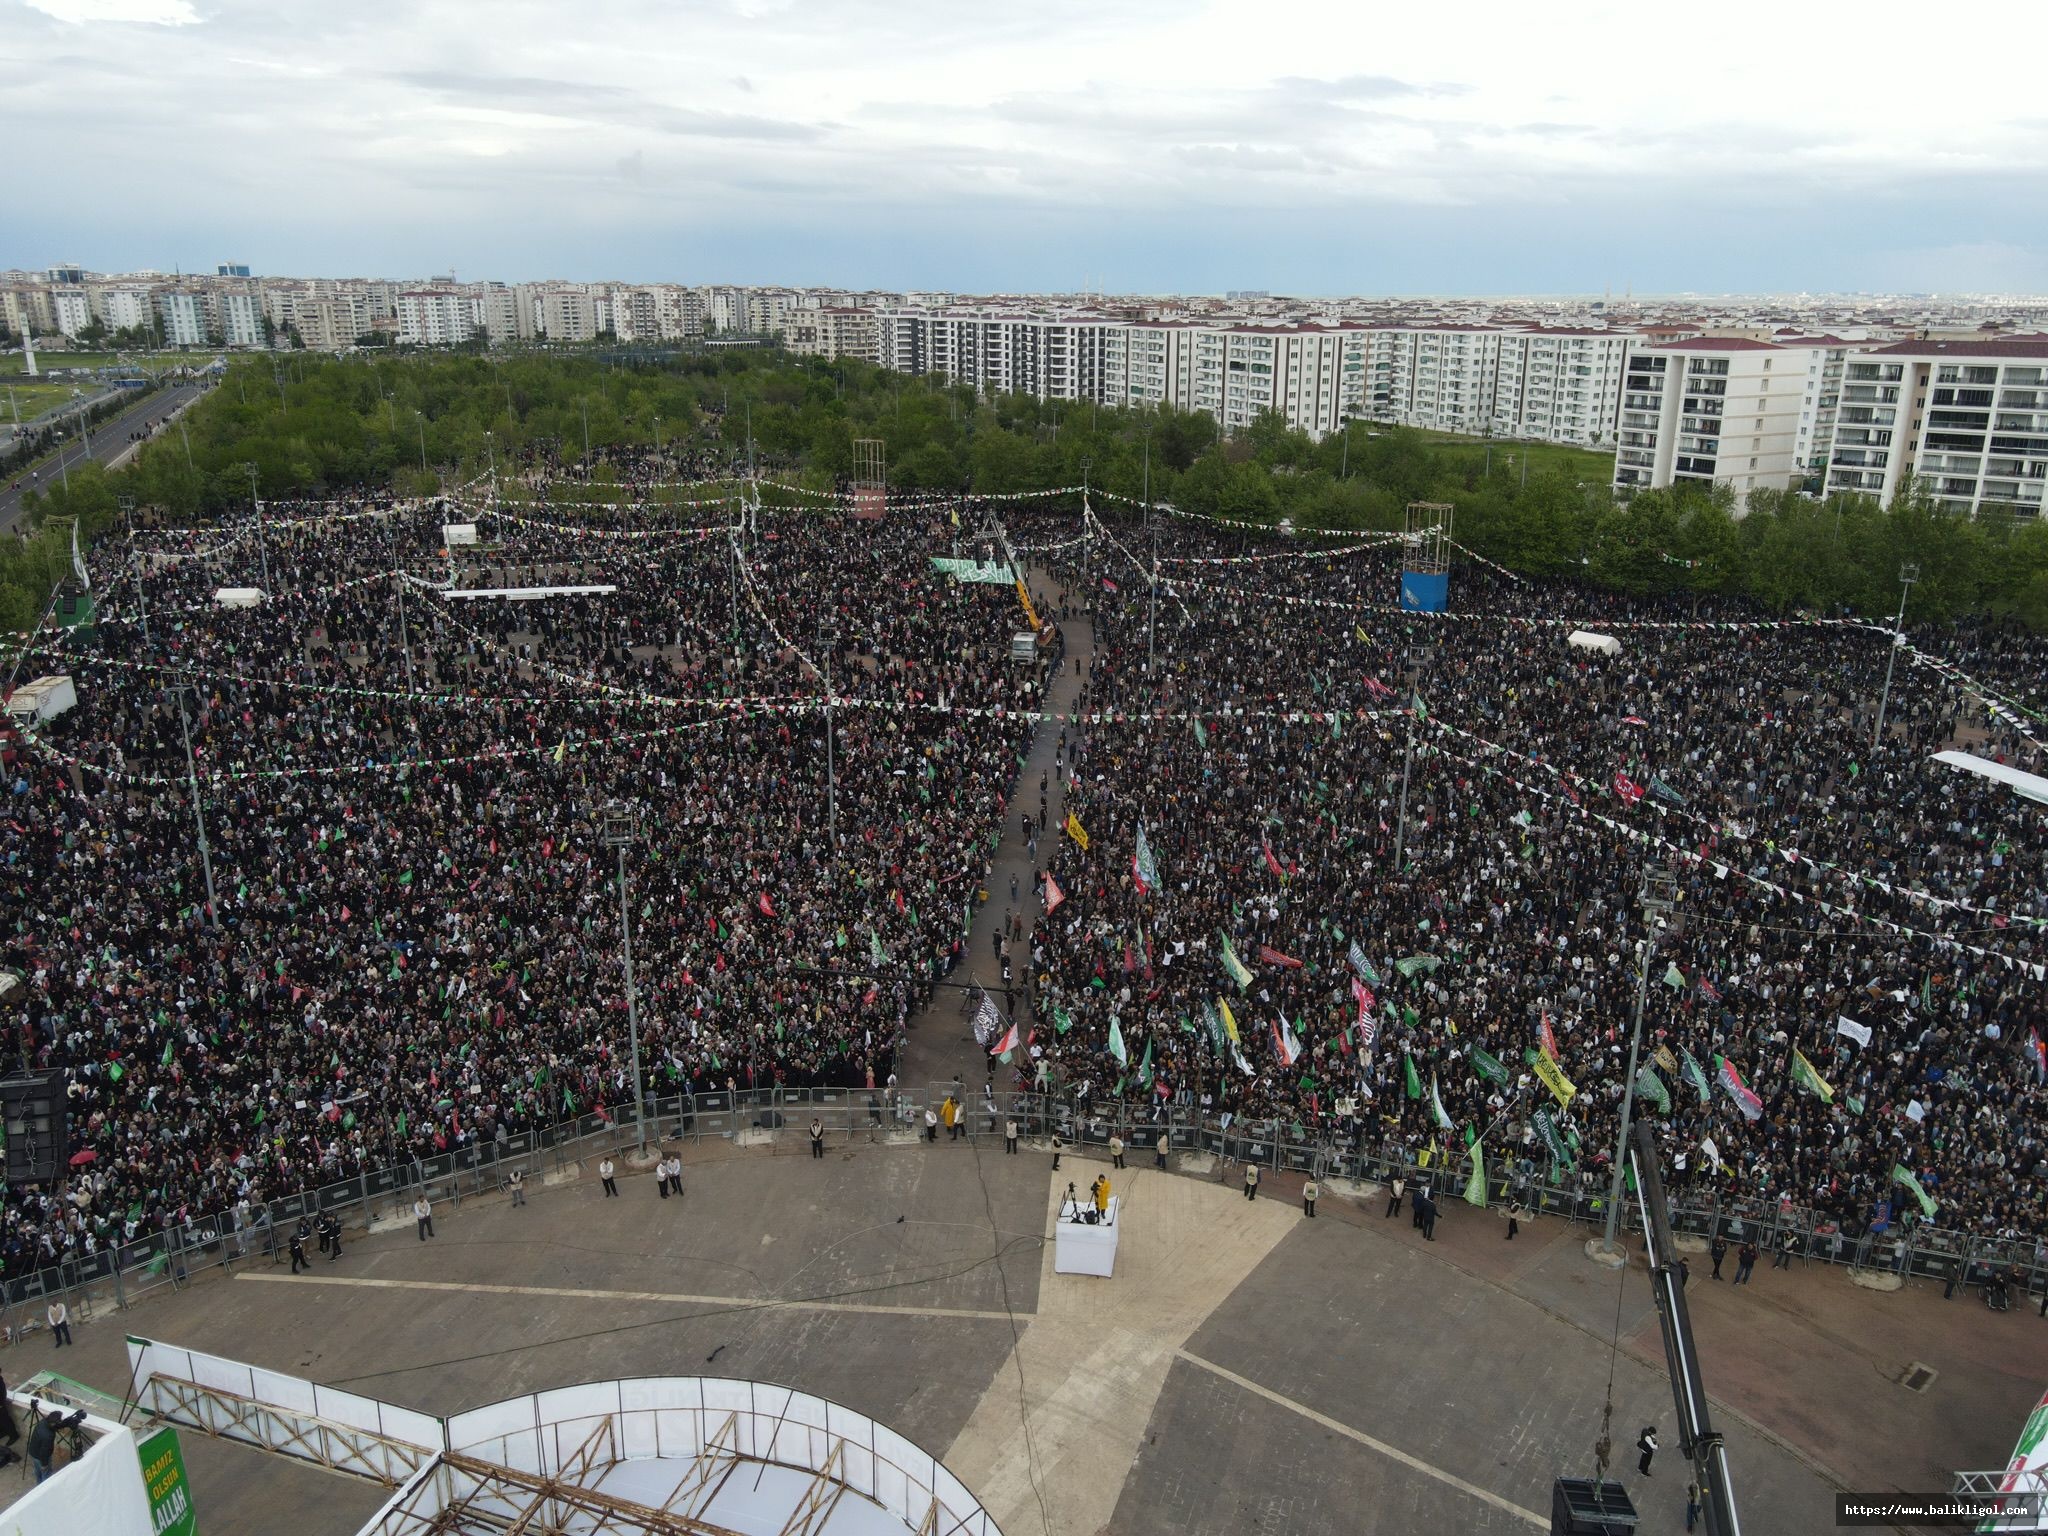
point(163, 1477)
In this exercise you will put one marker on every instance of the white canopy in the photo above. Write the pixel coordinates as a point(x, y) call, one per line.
point(1586, 640)
point(2030, 786)
point(238, 597)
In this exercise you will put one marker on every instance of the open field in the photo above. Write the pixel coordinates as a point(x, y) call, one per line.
point(1589, 465)
point(31, 400)
point(11, 362)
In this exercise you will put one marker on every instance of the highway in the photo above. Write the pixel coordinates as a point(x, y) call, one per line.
point(109, 442)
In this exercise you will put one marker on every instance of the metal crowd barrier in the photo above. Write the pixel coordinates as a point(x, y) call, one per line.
point(773, 1116)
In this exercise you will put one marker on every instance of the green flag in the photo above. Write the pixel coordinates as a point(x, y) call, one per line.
point(1674, 977)
point(1546, 1127)
point(1233, 966)
point(115, 1072)
point(1414, 1084)
point(167, 1053)
point(1062, 1021)
point(1201, 734)
point(1901, 1174)
point(1804, 1075)
point(1488, 1065)
point(1116, 1041)
point(1475, 1187)
point(1651, 1087)
point(1436, 1105)
point(1694, 1074)
point(1145, 1065)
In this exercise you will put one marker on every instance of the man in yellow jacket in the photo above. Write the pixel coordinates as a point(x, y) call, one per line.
point(950, 1113)
point(1100, 1189)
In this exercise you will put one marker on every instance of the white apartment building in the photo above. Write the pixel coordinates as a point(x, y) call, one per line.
point(1559, 385)
point(124, 308)
point(1713, 408)
point(1442, 377)
point(1967, 418)
point(330, 322)
point(494, 310)
point(566, 314)
point(239, 318)
point(1819, 411)
point(434, 317)
point(182, 317)
point(73, 310)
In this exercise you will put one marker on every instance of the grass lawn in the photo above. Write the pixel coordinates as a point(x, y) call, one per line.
point(32, 398)
point(1587, 464)
point(11, 362)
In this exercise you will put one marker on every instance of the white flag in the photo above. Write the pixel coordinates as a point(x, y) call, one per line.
point(1860, 1033)
point(1711, 1152)
point(1916, 1111)
point(77, 561)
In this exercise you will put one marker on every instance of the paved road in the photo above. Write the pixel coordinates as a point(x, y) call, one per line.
point(109, 442)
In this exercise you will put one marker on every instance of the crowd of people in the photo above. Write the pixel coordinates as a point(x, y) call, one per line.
point(1292, 953)
point(414, 942)
point(414, 804)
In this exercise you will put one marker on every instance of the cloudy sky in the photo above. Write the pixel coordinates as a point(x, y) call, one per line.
point(1302, 146)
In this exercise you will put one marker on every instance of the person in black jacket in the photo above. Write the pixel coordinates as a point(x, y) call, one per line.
point(1646, 1442)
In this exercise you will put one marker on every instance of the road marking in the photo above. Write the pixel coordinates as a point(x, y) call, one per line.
point(1393, 1452)
point(739, 1303)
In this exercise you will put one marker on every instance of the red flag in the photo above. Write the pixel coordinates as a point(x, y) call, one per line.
point(1271, 863)
point(1273, 956)
point(897, 896)
point(1053, 894)
point(1545, 1038)
point(1626, 787)
point(767, 907)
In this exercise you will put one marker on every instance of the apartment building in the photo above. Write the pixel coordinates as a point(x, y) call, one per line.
point(1559, 385)
point(1713, 408)
point(434, 317)
point(73, 310)
point(182, 318)
point(1443, 377)
point(123, 308)
point(1967, 418)
point(329, 322)
point(237, 317)
point(567, 314)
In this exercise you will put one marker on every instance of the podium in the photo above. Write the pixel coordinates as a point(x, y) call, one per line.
point(1081, 1249)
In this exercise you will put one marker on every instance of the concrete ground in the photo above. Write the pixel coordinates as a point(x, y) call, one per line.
point(1246, 1369)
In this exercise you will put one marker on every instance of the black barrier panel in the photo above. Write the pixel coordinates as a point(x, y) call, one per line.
point(384, 1181)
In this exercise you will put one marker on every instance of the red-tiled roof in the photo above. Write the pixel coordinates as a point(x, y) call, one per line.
point(1988, 346)
point(1716, 344)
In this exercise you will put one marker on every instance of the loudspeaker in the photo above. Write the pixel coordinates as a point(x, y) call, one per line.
point(1581, 1507)
point(38, 1135)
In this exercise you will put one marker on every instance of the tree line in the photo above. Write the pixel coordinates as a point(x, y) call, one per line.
point(416, 422)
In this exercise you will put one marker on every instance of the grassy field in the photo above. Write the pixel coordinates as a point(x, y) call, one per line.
point(11, 362)
point(30, 398)
point(1587, 464)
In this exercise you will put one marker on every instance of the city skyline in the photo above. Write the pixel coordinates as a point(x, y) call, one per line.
point(1168, 148)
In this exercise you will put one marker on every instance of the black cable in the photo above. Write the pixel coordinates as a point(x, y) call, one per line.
point(1016, 1345)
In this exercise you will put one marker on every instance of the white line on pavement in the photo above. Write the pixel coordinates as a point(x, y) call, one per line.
point(743, 1303)
point(1450, 1479)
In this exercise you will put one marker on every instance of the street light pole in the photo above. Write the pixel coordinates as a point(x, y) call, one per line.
point(262, 542)
point(826, 638)
point(1657, 897)
point(1908, 574)
point(198, 815)
point(1418, 659)
point(621, 829)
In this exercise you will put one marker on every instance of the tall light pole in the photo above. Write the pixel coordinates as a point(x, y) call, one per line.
point(1657, 897)
point(262, 542)
point(827, 636)
point(1908, 574)
point(127, 504)
point(1418, 662)
point(657, 437)
point(621, 831)
point(422, 418)
point(490, 447)
point(198, 815)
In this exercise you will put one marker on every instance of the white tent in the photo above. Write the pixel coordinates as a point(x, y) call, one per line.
point(2029, 786)
point(238, 597)
point(1586, 640)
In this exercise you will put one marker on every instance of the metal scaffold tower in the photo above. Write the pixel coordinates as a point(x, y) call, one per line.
point(870, 479)
point(1426, 557)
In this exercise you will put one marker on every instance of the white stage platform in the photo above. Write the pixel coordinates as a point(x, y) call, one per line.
point(1079, 1249)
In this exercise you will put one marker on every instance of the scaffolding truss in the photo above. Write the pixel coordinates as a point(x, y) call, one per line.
point(870, 479)
point(349, 1448)
point(1426, 557)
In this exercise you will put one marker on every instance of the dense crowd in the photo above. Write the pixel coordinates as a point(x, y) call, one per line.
point(418, 942)
point(415, 941)
point(1818, 878)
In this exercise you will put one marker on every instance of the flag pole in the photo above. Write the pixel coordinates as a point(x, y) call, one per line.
point(1658, 895)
